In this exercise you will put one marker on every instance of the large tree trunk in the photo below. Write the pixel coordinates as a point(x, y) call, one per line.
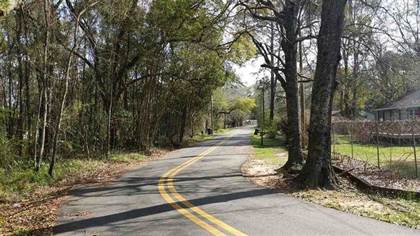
point(303, 135)
point(183, 125)
point(318, 171)
point(290, 51)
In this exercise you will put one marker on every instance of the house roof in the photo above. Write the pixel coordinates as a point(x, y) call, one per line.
point(410, 100)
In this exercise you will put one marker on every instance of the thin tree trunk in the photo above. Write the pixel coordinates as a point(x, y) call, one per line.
point(10, 120)
point(108, 131)
point(318, 171)
point(44, 84)
point(273, 78)
point(63, 99)
point(36, 135)
point(59, 117)
point(27, 73)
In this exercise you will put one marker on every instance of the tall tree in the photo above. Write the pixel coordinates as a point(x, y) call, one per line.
point(285, 16)
point(317, 171)
point(44, 99)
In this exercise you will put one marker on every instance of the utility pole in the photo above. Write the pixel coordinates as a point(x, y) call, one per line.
point(262, 86)
point(211, 115)
point(263, 116)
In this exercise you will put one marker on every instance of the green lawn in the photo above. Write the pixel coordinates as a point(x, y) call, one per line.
point(397, 158)
point(270, 151)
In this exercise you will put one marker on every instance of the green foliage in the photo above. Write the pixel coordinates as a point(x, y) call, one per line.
point(7, 5)
point(150, 68)
point(7, 158)
point(242, 50)
point(243, 104)
point(271, 130)
point(232, 104)
point(23, 180)
point(127, 157)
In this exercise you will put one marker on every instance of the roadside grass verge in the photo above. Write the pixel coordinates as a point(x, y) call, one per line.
point(346, 198)
point(273, 151)
point(22, 180)
point(400, 159)
point(29, 200)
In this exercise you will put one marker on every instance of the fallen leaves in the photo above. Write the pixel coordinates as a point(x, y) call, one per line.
point(261, 173)
point(376, 176)
point(33, 216)
point(35, 212)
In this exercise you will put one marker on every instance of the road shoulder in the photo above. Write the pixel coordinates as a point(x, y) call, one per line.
point(347, 198)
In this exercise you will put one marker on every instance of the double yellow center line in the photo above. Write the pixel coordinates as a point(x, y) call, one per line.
point(195, 214)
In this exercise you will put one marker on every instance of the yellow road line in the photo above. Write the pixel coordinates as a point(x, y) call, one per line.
point(186, 213)
point(168, 178)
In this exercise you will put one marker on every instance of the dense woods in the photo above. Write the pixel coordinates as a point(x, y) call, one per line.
point(96, 76)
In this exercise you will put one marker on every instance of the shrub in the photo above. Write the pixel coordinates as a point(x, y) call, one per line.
point(6, 154)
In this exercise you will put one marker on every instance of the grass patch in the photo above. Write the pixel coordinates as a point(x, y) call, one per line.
point(223, 131)
point(128, 157)
point(199, 138)
point(204, 137)
point(393, 210)
point(29, 199)
point(397, 158)
point(22, 179)
point(270, 151)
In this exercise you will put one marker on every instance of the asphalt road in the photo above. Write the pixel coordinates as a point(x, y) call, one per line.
point(200, 191)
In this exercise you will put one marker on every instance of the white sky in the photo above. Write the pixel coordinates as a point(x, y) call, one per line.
point(250, 71)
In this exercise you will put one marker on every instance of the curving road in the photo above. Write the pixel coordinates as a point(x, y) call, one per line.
point(200, 191)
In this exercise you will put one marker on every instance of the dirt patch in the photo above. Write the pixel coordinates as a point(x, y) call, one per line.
point(376, 176)
point(261, 173)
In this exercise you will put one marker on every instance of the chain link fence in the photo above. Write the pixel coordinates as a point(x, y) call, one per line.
point(385, 144)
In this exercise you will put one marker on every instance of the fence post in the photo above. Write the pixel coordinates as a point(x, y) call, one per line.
point(377, 142)
point(414, 147)
point(391, 137)
point(333, 139)
point(351, 140)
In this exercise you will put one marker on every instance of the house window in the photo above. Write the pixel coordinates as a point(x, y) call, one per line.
point(380, 115)
point(411, 114)
point(396, 115)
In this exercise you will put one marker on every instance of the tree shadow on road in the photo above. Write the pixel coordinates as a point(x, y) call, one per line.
point(157, 209)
